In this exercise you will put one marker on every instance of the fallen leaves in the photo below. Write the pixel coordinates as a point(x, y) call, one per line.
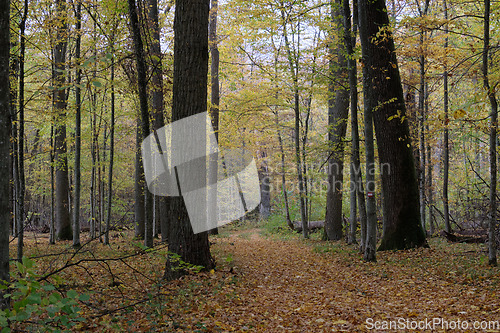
point(272, 285)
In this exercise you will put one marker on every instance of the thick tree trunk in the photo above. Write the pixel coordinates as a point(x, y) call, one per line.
point(384, 99)
point(63, 221)
point(338, 107)
point(143, 101)
point(5, 157)
point(189, 98)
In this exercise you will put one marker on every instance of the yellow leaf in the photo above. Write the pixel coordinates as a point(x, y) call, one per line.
point(459, 114)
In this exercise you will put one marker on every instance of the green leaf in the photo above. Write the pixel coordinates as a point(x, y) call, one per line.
point(28, 263)
point(72, 294)
point(34, 298)
point(84, 298)
point(97, 84)
point(48, 287)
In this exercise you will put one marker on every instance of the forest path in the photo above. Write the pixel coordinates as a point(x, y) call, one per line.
point(299, 286)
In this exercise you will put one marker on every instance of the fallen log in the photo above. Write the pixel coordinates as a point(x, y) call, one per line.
point(313, 225)
point(459, 238)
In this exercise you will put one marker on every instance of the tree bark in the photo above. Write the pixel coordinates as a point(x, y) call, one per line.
point(283, 173)
point(294, 71)
point(385, 101)
point(446, 157)
point(189, 98)
point(139, 185)
point(214, 99)
point(369, 253)
point(157, 100)
point(111, 146)
point(143, 101)
point(5, 157)
point(63, 221)
point(492, 239)
point(78, 130)
point(20, 146)
point(421, 171)
point(338, 107)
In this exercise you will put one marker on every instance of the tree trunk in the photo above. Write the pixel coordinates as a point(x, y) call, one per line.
point(355, 168)
point(111, 146)
point(355, 132)
point(294, 71)
point(189, 98)
point(283, 174)
point(139, 185)
point(371, 204)
point(385, 101)
point(52, 226)
point(5, 157)
point(157, 99)
point(446, 157)
point(78, 130)
point(265, 188)
point(63, 221)
point(20, 146)
point(143, 100)
point(338, 107)
point(421, 106)
point(492, 239)
point(214, 100)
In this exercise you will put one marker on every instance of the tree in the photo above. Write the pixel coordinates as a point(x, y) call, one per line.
point(215, 94)
point(5, 160)
point(189, 98)
point(293, 63)
point(356, 178)
point(63, 221)
point(157, 99)
point(338, 108)
point(144, 120)
point(490, 91)
point(421, 106)
point(384, 100)
point(446, 155)
point(20, 145)
point(78, 130)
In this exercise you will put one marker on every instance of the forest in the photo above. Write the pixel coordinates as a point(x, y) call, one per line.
point(346, 181)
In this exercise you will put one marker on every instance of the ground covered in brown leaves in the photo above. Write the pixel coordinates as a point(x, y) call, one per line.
point(266, 283)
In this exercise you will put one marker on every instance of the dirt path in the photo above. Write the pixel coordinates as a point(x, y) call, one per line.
point(284, 286)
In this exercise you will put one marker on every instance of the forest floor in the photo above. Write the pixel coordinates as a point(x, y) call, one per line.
point(276, 283)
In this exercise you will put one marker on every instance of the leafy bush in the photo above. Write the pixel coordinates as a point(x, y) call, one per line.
point(48, 309)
